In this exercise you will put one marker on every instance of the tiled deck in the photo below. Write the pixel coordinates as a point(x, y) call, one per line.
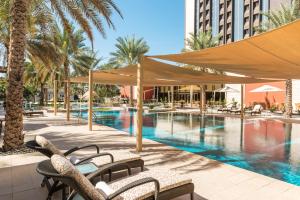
point(213, 180)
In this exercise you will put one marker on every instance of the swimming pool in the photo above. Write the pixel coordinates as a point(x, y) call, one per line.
point(268, 147)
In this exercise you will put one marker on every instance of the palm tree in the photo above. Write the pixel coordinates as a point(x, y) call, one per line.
point(84, 12)
point(200, 41)
point(74, 53)
point(277, 18)
point(129, 50)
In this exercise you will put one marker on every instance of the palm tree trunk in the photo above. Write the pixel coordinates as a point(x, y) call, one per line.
point(14, 137)
point(66, 76)
point(288, 98)
point(131, 96)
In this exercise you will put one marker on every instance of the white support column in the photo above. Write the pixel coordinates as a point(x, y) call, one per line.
point(242, 101)
point(55, 97)
point(139, 133)
point(202, 99)
point(90, 102)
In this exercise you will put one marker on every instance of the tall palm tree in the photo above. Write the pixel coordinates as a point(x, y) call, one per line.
point(75, 54)
point(277, 18)
point(199, 41)
point(202, 40)
point(129, 50)
point(84, 12)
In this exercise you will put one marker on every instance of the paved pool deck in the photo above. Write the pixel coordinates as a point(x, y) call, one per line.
point(213, 180)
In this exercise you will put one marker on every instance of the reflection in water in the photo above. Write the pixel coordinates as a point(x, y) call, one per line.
point(265, 146)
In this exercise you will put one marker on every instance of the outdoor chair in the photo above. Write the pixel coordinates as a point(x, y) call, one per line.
point(33, 112)
point(86, 164)
point(153, 184)
point(228, 108)
point(256, 110)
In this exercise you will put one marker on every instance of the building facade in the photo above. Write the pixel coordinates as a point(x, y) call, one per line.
point(233, 20)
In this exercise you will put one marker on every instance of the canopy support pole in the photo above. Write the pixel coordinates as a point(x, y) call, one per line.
point(172, 98)
point(202, 99)
point(191, 96)
point(242, 101)
point(68, 100)
point(139, 134)
point(90, 104)
point(55, 97)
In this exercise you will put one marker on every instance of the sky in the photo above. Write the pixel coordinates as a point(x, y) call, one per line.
point(159, 22)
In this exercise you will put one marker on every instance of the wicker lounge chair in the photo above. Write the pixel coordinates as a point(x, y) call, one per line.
point(145, 185)
point(95, 160)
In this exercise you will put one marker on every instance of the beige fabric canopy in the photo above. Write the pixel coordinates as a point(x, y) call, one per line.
point(161, 74)
point(274, 54)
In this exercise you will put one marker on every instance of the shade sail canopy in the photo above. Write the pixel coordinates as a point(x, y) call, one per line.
point(162, 74)
point(274, 54)
point(227, 89)
point(267, 88)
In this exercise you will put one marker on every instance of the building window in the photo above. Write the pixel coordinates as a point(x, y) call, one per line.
point(255, 17)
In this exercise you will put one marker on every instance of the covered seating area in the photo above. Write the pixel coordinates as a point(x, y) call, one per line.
point(271, 56)
point(150, 72)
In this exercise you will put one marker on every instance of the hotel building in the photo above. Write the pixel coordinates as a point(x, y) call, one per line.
point(233, 20)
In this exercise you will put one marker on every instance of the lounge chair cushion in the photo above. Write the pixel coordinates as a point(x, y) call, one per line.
point(167, 179)
point(118, 156)
point(43, 142)
point(64, 167)
point(103, 187)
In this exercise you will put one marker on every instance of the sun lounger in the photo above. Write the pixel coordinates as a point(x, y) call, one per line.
point(256, 110)
point(96, 160)
point(31, 113)
point(228, 108)
point(157, 184)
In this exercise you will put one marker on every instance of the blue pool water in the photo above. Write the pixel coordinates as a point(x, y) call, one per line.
point(268, 147)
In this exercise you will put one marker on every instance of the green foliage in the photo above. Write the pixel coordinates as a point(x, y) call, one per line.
point(284, 15)
point(202, 40)
point(129, 50)
point(3, 86)
point(29, 92)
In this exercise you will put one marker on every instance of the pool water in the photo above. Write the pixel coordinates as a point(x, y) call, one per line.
point(268, 147)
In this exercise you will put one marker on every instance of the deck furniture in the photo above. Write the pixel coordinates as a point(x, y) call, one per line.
point(228, 108)
point(256, 110)
point(87, 163)
point(33, 112)
point(151, 184)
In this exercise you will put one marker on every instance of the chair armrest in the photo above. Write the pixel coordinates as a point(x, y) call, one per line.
point(81, 147)
point(135, 184)
point(95, 156)
point(108, 167)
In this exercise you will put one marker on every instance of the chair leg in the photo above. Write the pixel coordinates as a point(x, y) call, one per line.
point(52, 189)
point(192, 196)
